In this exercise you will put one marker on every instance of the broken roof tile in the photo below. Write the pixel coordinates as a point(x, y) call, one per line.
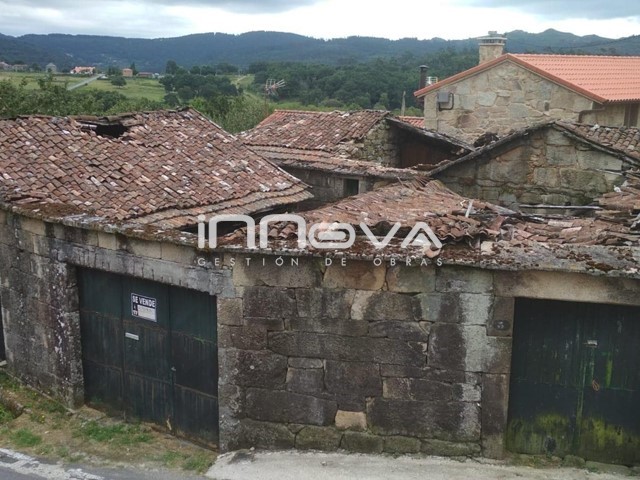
point(124, 178)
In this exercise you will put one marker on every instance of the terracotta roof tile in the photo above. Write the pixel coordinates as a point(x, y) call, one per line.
point(313, 130)
point(165, 165)
point(612, 78)
point(327, 162)
point(415, 121)
point(455, 219)
point(625, 140)
point(601, 78)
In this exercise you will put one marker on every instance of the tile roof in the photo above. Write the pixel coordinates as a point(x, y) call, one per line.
point(600, 78)
point(325, 140)
point(313, 130)
point(625, 140)
point(454, 219)
point(327, 162)
point(165, 169)
point(621, 142)
point(415, 121)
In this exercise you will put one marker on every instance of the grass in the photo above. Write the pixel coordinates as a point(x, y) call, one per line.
point(31, 79)
point(25, 438)
point(135, 88)
point(118, 433)
point(47, 429)
point(5, 415)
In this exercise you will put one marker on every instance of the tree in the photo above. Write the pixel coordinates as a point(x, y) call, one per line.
point(171, 68)
point(226, 68)
point(35, 67)
point(113, 70)
point(133, 69)
point(118, 81)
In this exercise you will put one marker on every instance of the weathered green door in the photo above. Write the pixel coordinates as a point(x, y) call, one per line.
point(150, 349)
point(575, 380)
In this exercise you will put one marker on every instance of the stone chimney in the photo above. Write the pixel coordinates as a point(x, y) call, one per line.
point(491, 46)
point(423, 76)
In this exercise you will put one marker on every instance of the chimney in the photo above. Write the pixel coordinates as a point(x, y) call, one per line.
point(491, 46)
point(423, 76)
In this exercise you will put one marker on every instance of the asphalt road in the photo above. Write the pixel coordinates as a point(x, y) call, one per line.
point(16, 466)
point(84, 82)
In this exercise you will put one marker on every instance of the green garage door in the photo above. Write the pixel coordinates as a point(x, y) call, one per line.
point(575, 380)
point(150, 350)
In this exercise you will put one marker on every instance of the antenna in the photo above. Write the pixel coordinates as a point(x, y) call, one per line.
point(271, 87)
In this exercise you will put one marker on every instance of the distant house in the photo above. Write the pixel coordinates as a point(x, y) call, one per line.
point(51, 68)
point(83, 70)
point(511, 91)
point(4, 66)
point(127, 72)
point(145, 75)
point(345, 153)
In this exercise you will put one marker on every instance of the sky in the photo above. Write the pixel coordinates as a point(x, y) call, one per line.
point(422, 19)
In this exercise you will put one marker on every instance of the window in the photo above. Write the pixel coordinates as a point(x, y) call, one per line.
point(351, 186)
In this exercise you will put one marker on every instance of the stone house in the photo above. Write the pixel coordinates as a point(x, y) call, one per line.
point(552, 164)
point(344, 153)
point(51, 67)
point(127, 72)
point(507, 91)
point(106, 294)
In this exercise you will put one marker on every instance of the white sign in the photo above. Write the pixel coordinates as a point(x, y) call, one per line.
point(143, 307)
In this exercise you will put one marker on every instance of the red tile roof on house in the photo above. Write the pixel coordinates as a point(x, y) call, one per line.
point(165, 168)
point(329, 140)
point(313, 130)
point(415, 121)
point(599, 78)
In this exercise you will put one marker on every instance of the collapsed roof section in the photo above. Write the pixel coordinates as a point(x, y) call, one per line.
point(159, 168)
point(471, 231)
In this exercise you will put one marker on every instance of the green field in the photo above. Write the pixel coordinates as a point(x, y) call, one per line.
point(135, 88)
point(31, 78)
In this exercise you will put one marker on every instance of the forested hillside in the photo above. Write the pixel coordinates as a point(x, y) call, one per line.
point(247, 48)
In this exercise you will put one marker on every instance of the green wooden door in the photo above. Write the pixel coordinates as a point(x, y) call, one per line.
point(150, 350)
point(575, 380)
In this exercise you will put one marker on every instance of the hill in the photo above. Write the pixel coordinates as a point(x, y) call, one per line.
point(244, 49)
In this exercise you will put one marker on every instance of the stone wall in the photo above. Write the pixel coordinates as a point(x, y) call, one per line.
point(39, 295)
point(353, 355)
point(508, 97)
point(379, 358)
point(365, 358)
point(328, 186)
point(545, 167)
point(380, 146)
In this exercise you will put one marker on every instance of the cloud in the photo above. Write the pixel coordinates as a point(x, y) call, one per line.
point(244, 6)
point(235, 6)
point(566, 9)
